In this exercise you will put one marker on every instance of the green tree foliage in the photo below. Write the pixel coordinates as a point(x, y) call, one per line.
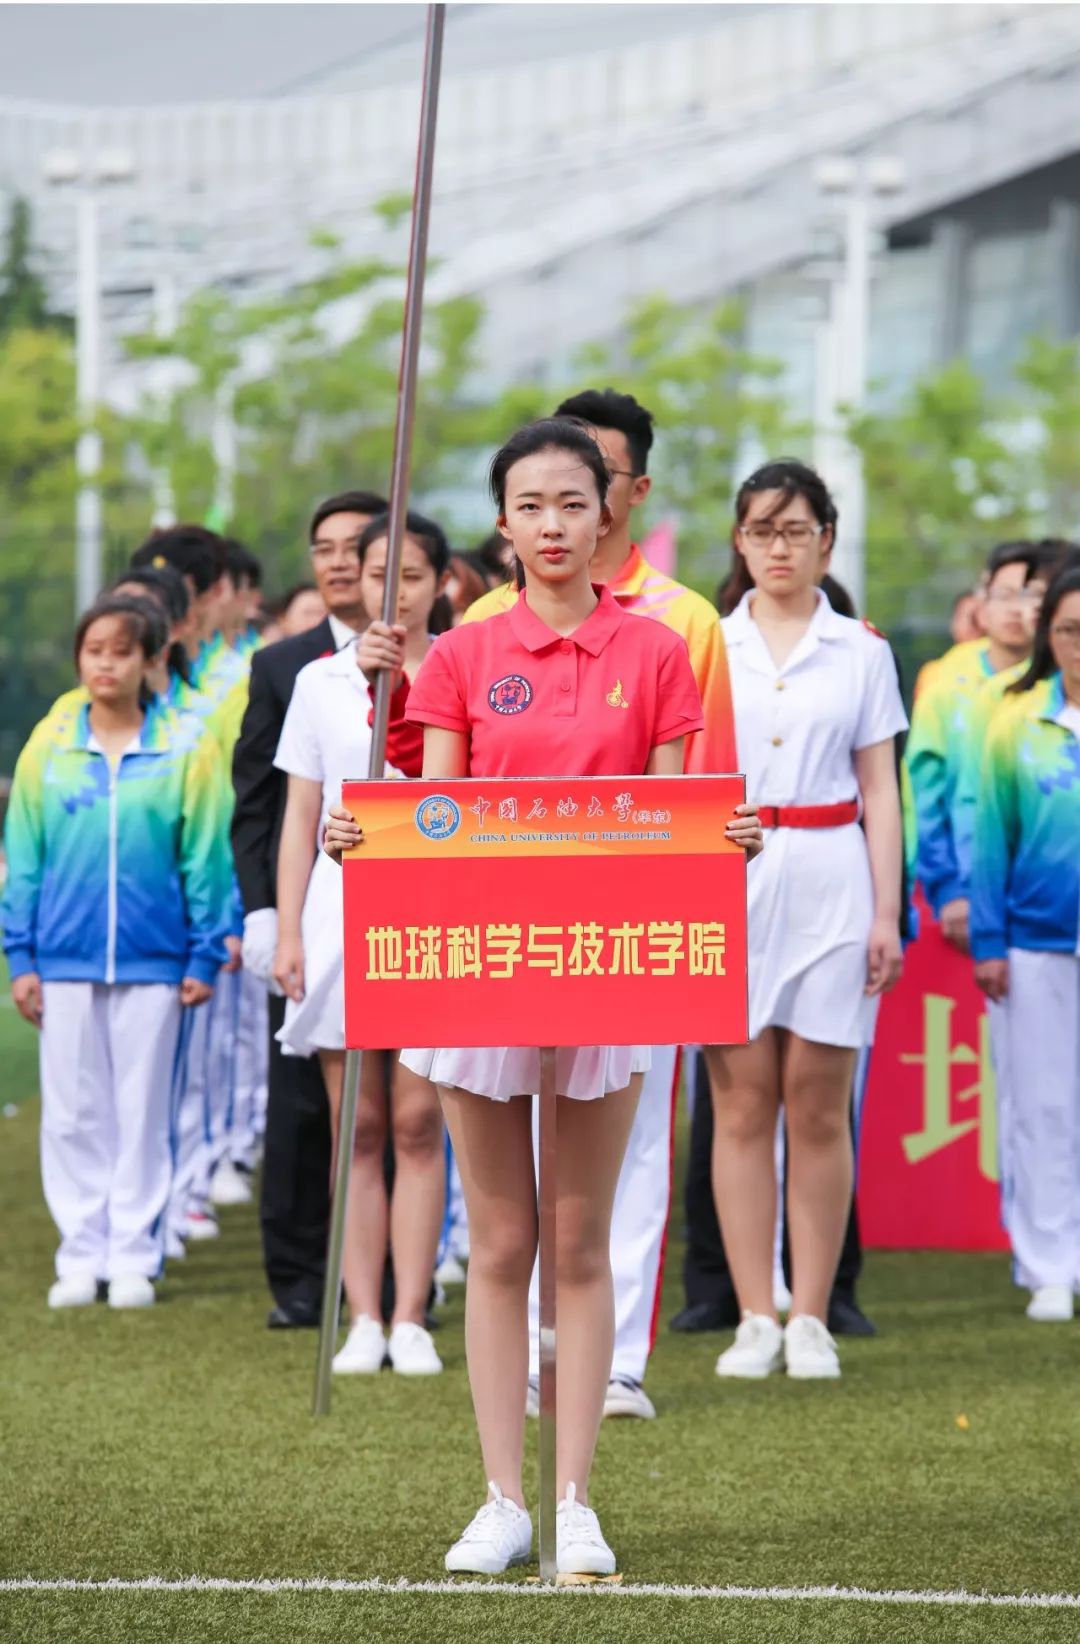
point(309, 380)
point(1049, 375)
point(941, 487)
point(23, 298)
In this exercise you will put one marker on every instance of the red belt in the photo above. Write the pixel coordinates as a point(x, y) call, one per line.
point(808, 816)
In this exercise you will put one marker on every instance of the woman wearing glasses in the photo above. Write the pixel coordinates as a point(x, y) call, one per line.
point(1025, 911)
point(817, 705)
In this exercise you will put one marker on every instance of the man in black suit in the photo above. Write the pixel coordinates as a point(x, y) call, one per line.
point(296, 1166)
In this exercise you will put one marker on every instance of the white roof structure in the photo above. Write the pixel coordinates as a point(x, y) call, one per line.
point(587, 154)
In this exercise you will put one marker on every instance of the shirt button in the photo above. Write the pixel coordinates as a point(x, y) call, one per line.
point(566, 647)
point(566, 685)
point(777, 741)
point(780, 685)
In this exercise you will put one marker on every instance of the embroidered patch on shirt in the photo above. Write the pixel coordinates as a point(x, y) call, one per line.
point(510, 695)
point(615, 698)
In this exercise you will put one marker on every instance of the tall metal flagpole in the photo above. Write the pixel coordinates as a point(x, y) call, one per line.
point(399, 502)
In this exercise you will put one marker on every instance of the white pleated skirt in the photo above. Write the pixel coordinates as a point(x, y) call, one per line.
point(585, 1073)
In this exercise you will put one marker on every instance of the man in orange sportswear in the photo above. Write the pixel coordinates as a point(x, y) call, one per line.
point(624, 431)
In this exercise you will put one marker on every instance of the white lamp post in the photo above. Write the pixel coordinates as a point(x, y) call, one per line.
point(87, 175)
point(842, 349)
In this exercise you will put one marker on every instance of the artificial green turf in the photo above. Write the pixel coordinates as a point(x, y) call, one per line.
point(179, 1442)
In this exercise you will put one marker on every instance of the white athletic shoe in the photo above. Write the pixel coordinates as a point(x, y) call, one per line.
point(500, 1535)
point(200, 1225)
point(580, 1548)
point(131, 1290)
point(628, 1398)
point(758, 1349)
point(412, 1351)
point(450, 1271)
point(229, 1186)
point(781, 1295)
point(1051, 1304)
point(532, 1398)
point(175, 1248)
point(809, 1350)
point(76, 1290)
point(364, 1350)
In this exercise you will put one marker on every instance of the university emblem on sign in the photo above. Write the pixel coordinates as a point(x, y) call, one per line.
point(438, 817)
point(510, 695)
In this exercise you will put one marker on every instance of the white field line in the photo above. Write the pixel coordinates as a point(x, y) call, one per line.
point(855, 1595)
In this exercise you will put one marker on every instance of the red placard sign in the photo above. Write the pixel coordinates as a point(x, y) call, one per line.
point(928, 1155)
point(545, 911)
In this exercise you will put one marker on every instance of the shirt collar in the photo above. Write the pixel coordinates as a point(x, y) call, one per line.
point(152, 737)
point(631, 575)
point(824, 624)
point(591, 636)
point(1054, 702)
point(343, 634)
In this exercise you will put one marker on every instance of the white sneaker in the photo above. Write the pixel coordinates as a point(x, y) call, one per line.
point(76, 1290)
point(450, 1271)
point(131, 1290)
point(412, 1351)
point(628, 1398)
point(758, 1349)
point(532, 1398)
point(580, 1548)
point(500, 1535)
point(809, 1350)
point(228, 1186)
point(1051, 1304)
point(175, 1248)
point(200, 1225)
point(364, 1350)
point(781, 1295)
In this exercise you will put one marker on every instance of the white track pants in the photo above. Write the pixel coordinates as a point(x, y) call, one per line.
point(250, 1066)
point(638, 1224)
point(108, 1061)
point(190, 1121)
point(1043, 1151)
point(997, 1015)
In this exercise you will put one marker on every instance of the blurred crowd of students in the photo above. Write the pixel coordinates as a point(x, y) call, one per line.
point(172, 928)
point(994, 766)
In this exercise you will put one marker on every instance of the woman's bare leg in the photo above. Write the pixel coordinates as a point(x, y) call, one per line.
point(592, 1142)
point(367, 1215)
point(493, 1147)
point(745, 1082)
point(416, 1208)
point(817, 1098)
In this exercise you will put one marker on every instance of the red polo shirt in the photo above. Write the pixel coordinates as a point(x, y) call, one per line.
point(533, 703)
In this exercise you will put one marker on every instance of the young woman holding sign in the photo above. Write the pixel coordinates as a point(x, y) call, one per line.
point(817, 705)
point(526, 694)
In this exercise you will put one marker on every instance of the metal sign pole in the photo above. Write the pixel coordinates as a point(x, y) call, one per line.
point(546, 1201)
point(399, 502)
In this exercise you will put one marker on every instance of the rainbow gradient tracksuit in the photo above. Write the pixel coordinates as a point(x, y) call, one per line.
point(934, 755)
point(1025, 910)
point(119, 883)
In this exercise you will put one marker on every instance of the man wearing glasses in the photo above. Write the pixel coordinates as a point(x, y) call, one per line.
point(296, 1164)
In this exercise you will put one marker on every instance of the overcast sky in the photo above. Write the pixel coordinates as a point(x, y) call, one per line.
point(146, 54)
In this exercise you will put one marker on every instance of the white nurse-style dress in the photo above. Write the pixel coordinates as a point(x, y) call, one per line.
point(810, 895)
point(325, 738)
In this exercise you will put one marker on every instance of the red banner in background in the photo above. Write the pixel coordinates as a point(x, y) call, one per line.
point(545, 912)
point(928, 1157)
